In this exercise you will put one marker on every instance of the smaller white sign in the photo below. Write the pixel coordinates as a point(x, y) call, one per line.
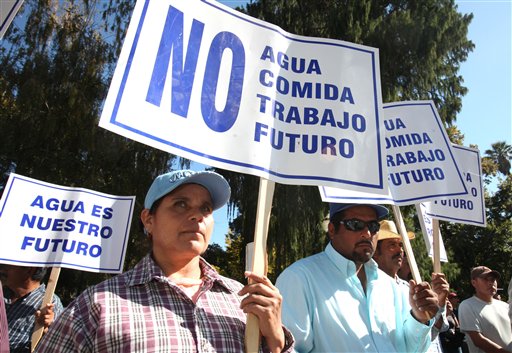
point(428, 233)
point(43, 224)
point(470, 208)
point(8, 9)
point(420, 162)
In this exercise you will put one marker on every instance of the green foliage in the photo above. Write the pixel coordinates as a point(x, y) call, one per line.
point(501, 154)
point(421, 43)
point(55, 67)
point(491, 246)
point(235, 257)
point(216, 256)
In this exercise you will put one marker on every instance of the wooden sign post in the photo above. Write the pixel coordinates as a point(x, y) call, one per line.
point(407, 244)
point(48, 295)
point(436, 243)
point(266, 193)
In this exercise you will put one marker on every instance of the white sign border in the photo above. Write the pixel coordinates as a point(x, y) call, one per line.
point(119, 269)
point(482, 222)
point(388, 199)
point(15, 6)
point(314, 40)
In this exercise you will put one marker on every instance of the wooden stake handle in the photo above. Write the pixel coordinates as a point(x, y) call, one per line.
point(407, 244)
point(48, 295)
point(436, 243)
point(266, 193)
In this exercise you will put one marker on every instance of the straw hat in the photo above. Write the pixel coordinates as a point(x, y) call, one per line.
point(388, 231)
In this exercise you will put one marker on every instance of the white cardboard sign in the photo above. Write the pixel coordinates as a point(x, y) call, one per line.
point(420, 163)
point(428, 233)
point(203, 81)
point(43, 224)
point(470, 208)
point(8, 9)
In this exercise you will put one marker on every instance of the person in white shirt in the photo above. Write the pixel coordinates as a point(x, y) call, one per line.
point(484, 319)
point(389, 255)
point(339, 301)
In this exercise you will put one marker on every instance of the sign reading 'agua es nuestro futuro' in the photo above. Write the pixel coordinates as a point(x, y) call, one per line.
point(44, 224)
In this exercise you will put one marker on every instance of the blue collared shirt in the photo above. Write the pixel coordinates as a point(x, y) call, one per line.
point(21, 316)
point(327, 310)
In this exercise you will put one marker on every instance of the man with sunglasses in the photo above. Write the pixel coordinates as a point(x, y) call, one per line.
point(338, 300)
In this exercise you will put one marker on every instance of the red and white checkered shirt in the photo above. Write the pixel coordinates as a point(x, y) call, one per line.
point(142, 311)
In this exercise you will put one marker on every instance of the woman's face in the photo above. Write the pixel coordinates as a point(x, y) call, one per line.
point(181, 226)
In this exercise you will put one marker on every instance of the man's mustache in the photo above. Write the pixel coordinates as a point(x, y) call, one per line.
point(365, 242)
point(397, 256)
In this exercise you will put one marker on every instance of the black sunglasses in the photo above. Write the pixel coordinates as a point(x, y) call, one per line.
point(357, 225)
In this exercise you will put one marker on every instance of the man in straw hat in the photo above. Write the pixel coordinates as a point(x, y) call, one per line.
point(484, 319)
point(338, 300)
point(173, 300)
point(389, 255)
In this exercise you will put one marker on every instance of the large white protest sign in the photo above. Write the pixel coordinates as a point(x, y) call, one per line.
point(428, 232)
point(8, 9)
point(203, 81)
point(420, 162)
point(43, 224)
point(470, 208)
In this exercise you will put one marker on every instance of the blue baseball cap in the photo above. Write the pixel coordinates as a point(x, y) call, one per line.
point(215, 183)
point(338, 207)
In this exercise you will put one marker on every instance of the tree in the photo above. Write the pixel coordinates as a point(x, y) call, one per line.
point(500, 153)
point(421, 46)
point(55, 67)
point(421, 43)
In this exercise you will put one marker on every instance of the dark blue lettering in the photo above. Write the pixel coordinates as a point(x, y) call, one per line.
point(223, 120)
point(182, 75)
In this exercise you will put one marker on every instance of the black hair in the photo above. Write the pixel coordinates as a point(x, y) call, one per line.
point(378, 249)
point(155, 205)
point(336, 219)
point(39, 273)
point(152, 210)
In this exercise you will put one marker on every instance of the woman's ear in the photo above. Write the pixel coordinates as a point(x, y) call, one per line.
point(147, 220)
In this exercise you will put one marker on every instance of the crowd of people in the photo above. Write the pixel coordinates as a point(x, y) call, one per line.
point(355, 296)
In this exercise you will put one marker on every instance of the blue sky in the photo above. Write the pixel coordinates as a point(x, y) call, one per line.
point(486, 115)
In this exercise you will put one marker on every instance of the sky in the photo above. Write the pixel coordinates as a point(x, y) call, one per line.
point(486, 115)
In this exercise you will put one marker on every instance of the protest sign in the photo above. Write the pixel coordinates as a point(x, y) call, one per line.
point(419, 159)
point(470, 208)
point(8, 9)
point(205, 82)
point(427, 228)
point(43, 224)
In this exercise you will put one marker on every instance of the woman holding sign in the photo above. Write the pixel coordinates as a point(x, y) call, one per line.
point(172, 300)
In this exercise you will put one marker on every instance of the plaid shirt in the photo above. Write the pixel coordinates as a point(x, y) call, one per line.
point(4, 331)
point(143, 311)
point(21, 317)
